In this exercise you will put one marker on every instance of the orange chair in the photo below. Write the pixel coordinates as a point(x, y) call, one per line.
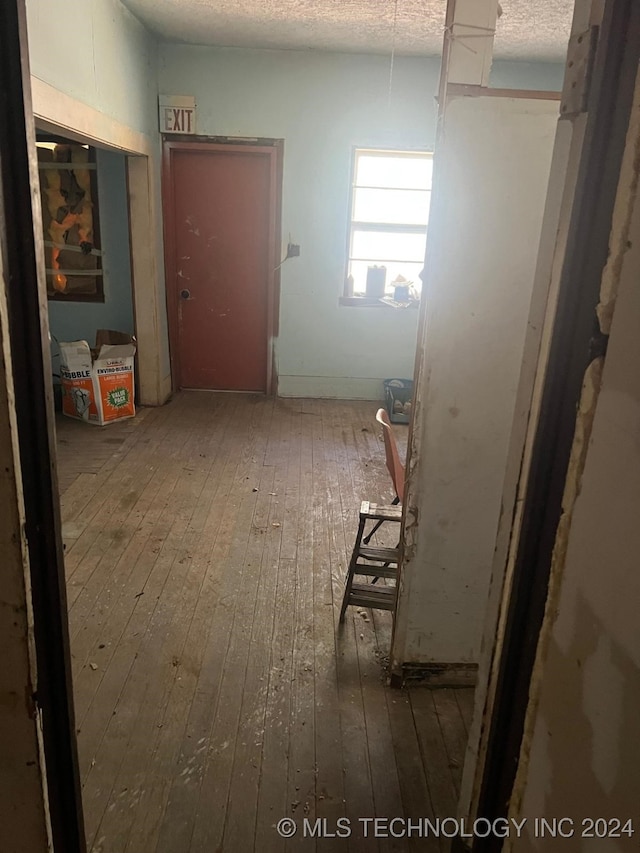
point(394, 465)
point(376, 562)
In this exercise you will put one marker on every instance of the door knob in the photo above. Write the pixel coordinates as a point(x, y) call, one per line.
point(185, 294)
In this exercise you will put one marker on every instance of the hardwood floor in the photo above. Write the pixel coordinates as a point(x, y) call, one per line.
point(206, 547)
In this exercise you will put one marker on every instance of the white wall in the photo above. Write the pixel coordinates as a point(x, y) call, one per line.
point(582, 744)
point(493, 168)
point(322, 105)
point(98, 53)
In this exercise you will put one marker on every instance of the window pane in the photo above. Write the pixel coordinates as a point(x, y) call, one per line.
point(377, 246)
point(375, 170)
point(69, 219)
point(394, 206)
point(358, 269)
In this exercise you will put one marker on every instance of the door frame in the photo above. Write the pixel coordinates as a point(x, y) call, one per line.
point(576, 342)
point(58, 113)
point(273, 149)
point(27, 329)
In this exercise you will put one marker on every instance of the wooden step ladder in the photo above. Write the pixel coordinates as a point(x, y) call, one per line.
point(380, 563)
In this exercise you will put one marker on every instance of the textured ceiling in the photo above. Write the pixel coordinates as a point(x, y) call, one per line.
point(527, 29)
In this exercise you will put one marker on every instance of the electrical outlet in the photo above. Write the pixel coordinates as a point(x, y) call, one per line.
point(293, 250)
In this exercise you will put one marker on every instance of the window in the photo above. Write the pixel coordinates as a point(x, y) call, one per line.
point(389, 214)
point(68, 189)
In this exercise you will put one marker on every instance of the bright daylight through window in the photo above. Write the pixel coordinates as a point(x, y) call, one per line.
point(388, 230)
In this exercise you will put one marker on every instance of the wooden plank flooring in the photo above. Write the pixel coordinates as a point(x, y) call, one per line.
point(216, 692)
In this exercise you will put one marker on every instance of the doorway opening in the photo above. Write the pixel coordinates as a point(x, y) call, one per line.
point(87, 247)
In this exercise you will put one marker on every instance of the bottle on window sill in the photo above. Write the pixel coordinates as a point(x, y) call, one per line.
point(401, 292)
point(349, 286)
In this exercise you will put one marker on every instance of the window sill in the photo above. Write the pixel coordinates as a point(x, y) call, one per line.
point(368, 302)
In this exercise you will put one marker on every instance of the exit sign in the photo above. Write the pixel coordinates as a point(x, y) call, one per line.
point(177, 114)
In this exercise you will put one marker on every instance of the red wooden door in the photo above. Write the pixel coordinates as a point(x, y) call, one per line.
point(221, 264)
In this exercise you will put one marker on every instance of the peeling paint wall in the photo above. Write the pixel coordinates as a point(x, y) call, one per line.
point(581, 754)
point(491, 184)
point(23, 812)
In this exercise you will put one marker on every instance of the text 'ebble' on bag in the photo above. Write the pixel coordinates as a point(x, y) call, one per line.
point(97, 390)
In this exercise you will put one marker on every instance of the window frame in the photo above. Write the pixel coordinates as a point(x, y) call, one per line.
point(98, 296)
point(348, 298)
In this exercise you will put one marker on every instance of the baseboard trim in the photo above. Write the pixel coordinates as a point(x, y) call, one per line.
point(331, 387)
point(436, 675)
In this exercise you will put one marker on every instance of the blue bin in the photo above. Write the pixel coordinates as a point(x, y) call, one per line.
point(397, 394)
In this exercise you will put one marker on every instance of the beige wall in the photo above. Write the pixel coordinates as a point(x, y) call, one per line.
point(492, 169)
point(581, 754)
